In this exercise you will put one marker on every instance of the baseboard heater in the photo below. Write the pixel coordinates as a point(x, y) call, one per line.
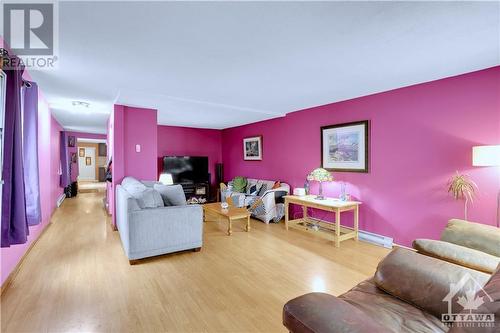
point(376, 239)
point(61, 199)
point(367, 236)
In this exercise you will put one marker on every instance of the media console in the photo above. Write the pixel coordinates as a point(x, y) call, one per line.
point(197, 190)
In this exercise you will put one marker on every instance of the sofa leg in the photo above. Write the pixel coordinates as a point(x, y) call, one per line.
point(197, 249)
point(133, 262)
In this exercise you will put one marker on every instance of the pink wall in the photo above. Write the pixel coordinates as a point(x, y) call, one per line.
point(128, 127)
point(48, 152)
point(419, 136)
point(173, 140)
point(80, 135)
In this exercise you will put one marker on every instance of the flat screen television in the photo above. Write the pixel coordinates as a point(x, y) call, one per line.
point(186, 169)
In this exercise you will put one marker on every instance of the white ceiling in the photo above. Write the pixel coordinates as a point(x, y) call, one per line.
point(222, 64)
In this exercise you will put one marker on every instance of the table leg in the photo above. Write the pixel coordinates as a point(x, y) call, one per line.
point(286, 214)
point(356, 222)
point(337, 228)
point(248, 224)
point(229, 227)
point(304, 215)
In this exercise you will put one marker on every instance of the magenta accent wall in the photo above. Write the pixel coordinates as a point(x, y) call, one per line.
point(48, 152)
point(127, 127)
point(420, 135)
point(80, 135)
point(174, 140)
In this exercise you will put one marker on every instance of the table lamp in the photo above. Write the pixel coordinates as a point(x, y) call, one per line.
point(166, 179)
point(320, 175)
point(488, 156)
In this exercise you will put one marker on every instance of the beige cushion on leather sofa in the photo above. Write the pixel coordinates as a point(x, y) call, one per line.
point(476, 236)
point(457, 254)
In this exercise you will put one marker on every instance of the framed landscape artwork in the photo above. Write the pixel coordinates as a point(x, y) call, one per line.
point(344, 147)
point(252, 148)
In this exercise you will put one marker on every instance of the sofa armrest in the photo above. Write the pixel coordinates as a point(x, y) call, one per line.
point(457, 254)
point(423, 281)
point(320, 312)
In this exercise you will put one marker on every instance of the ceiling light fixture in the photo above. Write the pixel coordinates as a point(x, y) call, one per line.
point(80, 104)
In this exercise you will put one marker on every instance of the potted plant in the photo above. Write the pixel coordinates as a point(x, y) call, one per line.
point(462, 187)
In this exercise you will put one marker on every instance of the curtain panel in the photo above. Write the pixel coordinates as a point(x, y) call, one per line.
point(14, 221)
point(65, 179)
point(30, 151)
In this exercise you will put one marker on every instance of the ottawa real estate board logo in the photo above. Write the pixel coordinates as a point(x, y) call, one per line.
point(467, 302)
point(30, 31)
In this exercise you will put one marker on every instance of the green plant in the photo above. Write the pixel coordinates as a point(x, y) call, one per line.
point(462, 187)
point(239, 184)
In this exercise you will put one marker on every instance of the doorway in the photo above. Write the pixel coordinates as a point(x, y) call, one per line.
point(87, 164)
point(91, 165)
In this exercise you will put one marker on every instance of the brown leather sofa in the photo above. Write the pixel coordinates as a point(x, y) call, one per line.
point(406, 294)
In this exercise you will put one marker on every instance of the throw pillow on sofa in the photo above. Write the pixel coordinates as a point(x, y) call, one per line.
point(129, 182)
point(172, 195)
point(146, 197)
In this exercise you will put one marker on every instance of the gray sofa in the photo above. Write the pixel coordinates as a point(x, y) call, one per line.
point(148, 227)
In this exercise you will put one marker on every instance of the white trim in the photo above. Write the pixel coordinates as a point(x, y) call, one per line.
point(367, 236)
point(61, 199)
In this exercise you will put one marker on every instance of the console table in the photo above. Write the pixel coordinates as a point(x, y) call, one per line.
point(328, 229)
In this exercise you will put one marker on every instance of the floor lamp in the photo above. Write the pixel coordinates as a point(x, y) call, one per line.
point(488, 156)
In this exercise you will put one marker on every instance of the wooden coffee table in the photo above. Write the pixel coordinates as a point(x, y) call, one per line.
point(231, 213)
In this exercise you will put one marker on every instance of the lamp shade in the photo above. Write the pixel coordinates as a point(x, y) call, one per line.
point(166, 179)
point(320, 175)
point(486, 155)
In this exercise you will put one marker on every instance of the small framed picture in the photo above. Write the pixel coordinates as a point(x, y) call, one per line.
point(81, 152)
point(88, 160)
point(71, 141)
point(345, 147)
point(252, 148)
point(73, 157)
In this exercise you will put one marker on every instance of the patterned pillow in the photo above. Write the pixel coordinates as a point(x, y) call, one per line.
point(262, 190)
point(252, 190)
point(252, 187)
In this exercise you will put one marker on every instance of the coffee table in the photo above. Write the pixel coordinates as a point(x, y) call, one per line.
point(231, 213)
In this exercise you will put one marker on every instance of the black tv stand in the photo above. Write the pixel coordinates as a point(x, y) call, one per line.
point(196, 190)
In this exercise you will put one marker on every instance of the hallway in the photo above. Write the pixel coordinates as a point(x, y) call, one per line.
point(78, 279)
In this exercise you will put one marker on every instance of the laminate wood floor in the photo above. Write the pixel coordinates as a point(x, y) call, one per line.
point(77, 278)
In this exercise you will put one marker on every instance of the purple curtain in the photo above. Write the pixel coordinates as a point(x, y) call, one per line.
point(14, 222)
point(65, 176)
point(30, 151)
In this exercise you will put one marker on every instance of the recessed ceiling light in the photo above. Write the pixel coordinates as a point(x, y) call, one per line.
point(81, 104)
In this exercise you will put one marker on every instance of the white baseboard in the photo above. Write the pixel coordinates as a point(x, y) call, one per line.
point(369, 237)
point(61, 199)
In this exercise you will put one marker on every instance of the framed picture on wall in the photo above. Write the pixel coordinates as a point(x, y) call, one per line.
point(252, 148)
point(71, 141)
point(73, 157)
point(88, 160)
point(81, 152)
point(345, 147)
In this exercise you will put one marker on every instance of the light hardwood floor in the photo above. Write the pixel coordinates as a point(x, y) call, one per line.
point(78, 279)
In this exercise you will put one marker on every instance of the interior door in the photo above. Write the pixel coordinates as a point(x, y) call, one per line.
point(86, 164)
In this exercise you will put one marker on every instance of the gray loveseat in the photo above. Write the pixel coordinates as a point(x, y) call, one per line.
point(148, 227)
